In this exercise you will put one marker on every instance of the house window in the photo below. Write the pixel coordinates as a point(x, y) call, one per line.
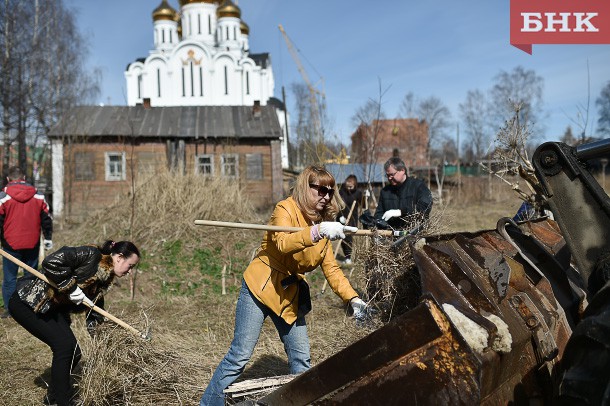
point(115, 166)
point(204, 165)
point(228, 165)
point(254, 165)
point(83, 166)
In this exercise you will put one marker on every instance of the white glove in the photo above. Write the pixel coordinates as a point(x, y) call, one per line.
point(359, 308)
point(48, 244)
point(391, 213)
point(334, 230)
point(78, 297)
point(342, 220)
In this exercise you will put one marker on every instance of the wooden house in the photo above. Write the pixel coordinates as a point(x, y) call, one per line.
point(98, 150)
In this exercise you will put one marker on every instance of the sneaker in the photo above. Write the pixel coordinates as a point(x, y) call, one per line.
point(5, 315)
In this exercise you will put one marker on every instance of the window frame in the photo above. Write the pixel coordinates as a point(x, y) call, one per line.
point(198, 164)
point(112, 177)
point(223, 165)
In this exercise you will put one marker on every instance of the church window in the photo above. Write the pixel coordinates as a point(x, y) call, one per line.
point(190, 26)
point(198, 23)
point(254, 165)
point(200, 81)
point(247, 82)
point(158, 82)
point(227, 33)
point(235, 33)
point(139, 86)
point(115, 166)
point(209, 24)
point(171, 40)
point(163, 36)
point(229, 165)
point(204, 164)
point(226, 81)
point(183, 84)
point(192, 79)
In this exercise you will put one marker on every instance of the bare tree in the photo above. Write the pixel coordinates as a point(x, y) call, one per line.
point(42, 72)
point(367, 121)
point(473, 112)
point(520, 87)
point(311, 131)
point(603, 104)
point(431, 110)
point(568, 137)
point(407, 106)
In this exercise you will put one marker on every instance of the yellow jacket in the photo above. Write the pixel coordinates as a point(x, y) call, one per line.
point(285, 254)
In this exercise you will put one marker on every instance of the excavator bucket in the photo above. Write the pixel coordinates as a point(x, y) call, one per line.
point(493, 319)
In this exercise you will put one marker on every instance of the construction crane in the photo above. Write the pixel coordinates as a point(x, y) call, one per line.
point(313, 92)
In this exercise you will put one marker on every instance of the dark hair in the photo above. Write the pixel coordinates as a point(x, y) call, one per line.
point(15, 173)
point(124, 248)
point(351, 177)
point(396, 162)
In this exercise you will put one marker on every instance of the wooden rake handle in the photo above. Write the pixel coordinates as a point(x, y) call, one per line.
point(94, 307)
point(265, 227)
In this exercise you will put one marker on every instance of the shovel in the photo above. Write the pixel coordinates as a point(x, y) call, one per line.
point(144, 335)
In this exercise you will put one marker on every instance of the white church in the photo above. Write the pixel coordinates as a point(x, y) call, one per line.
point(202, 58)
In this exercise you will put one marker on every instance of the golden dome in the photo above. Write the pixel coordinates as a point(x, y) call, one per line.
point(185, 2)
point(228, 9)
point(243, 27)
point(164, 12)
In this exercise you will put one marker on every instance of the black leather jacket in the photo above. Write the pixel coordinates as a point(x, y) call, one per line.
point(68, 268)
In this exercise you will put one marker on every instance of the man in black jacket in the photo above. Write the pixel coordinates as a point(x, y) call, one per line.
point(403, 197)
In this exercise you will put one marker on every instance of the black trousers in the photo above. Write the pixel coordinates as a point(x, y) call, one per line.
point(52, 328)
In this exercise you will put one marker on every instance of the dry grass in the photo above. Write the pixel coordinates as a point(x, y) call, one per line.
point(191, 333)
point(165, 208)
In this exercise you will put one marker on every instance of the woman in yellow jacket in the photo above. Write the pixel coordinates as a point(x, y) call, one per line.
point(274, 284)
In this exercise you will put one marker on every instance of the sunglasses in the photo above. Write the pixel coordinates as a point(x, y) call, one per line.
point(323, 190)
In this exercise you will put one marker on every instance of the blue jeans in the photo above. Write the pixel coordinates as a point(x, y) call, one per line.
point(9, 268)
point(249, 317)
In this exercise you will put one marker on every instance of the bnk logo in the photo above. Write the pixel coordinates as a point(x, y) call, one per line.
point(559, 22)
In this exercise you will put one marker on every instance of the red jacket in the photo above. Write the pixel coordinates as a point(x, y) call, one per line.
point(23, 213)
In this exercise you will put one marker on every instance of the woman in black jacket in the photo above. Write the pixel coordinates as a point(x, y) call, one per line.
point(81, 274)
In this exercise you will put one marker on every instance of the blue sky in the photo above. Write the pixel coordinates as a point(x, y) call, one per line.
point(442, 48)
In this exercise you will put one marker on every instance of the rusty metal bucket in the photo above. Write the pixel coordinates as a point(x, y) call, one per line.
point(489, 329)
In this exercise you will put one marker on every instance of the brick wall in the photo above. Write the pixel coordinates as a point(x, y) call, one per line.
point(87, 188)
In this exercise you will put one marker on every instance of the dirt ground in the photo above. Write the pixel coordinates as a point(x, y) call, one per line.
point(197, 329)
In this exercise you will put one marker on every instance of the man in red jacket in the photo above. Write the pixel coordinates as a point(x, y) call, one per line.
point(23, 214)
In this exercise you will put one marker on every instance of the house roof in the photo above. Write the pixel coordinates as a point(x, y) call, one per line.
point(364, 172)
point(180, 121)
